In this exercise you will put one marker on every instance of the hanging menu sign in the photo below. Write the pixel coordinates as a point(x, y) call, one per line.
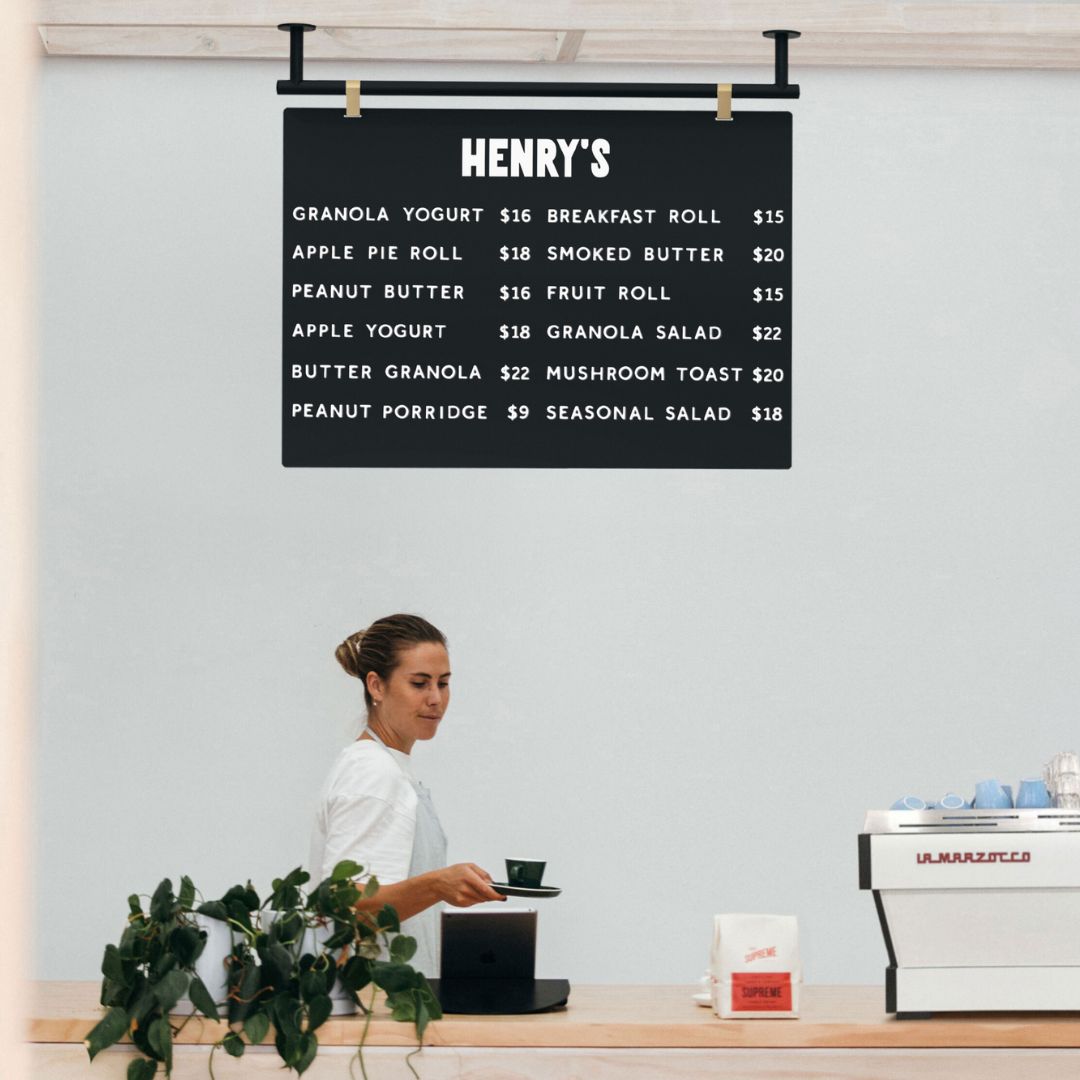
point(557, 289)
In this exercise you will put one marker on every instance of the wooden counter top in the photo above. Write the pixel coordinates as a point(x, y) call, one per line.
point(627, 1016)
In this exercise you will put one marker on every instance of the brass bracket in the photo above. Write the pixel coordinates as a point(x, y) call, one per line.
point(723, 101)
point(352, 98)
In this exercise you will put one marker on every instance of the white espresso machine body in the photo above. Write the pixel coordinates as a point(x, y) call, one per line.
point(980, 909)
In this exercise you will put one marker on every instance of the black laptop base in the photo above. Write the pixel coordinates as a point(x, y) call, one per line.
point(505, 997)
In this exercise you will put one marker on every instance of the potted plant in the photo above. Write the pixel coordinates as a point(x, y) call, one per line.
point(290, 958)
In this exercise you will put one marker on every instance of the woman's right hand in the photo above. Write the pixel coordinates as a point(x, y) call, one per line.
point(465, 884)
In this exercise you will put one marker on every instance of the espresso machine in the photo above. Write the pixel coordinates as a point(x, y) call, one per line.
point(980, 909)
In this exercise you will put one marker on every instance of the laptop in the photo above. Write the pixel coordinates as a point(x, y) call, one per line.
point(488, 965)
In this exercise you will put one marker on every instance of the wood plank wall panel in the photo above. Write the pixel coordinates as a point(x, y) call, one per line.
point(18, 525)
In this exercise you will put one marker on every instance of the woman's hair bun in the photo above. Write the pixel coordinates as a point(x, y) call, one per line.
point(348, 654)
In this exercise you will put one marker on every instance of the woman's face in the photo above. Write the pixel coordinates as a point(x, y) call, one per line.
point(412, 701)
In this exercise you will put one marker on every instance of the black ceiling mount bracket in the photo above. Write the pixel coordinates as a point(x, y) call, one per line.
point(781, 38)
point(297, 84)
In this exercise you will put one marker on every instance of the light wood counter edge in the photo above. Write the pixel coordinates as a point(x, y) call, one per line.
point(646, 1017)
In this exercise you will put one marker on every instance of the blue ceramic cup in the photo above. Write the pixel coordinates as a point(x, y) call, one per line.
point(1032, 795)
point(952, 801)
point(908, 802)
point(990, 795)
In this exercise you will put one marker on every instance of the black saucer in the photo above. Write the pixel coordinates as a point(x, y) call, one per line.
point(537, 892)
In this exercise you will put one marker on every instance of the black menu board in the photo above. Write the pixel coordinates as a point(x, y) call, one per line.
point(564, 289)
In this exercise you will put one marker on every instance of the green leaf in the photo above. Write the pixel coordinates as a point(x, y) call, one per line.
point(244, 895)
point(161, 903)
point(214, 909)
point(393, 977)
point(141, 1069)
point(356, 974)
point(319, 1010)
point(345, 895)
point(160, 1038)
point(403, 948)
point(112, 966)
point(285, 1013)
point(130, 943)
point(233, 1045)
point(256, 1026)
point(171, 989)
point(307, 1047)
point(187, 892)
point(287, 927)
point(238, 911)
point(114, 993)
point(234, 892)
point(278, 963)
point(339, 938)
point(312, 984)
point(161, 961)
point(371, 887)
point(107, 1031)
point(346, 870)
point(187, 943)
point(322, 897)
point(422, 1015)
point(387, 920)
point(427, 995)
point(115, 969)
point(293, 879)
point(135, 904)
point(201, 999)
point(402, 1006)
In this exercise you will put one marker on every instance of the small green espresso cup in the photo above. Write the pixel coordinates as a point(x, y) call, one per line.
point(526, 873)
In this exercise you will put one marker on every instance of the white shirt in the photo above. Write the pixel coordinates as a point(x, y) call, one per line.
point(367, 813)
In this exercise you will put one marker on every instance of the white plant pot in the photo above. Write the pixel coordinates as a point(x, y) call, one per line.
point(210, 967)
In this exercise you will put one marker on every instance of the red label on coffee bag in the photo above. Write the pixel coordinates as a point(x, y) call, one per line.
point(760, 991)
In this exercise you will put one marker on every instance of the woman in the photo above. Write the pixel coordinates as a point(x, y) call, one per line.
point(372, 808)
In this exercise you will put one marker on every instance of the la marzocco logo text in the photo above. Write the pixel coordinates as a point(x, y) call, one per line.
point(972, 856)
point(759, 954)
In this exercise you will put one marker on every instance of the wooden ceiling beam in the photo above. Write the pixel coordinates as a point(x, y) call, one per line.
point(1038, 17)
point(231, 42)
point(848, 33)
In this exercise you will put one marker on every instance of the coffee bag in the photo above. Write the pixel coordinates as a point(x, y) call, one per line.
point(756, 970)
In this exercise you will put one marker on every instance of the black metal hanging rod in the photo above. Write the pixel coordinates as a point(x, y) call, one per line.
point(297, 84)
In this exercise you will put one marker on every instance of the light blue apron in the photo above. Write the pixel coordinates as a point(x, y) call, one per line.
point(428, 853)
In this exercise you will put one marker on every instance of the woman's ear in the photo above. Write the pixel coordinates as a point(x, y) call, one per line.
point(374, 685)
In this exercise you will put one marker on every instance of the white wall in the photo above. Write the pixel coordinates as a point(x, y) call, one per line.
point(683, 688)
